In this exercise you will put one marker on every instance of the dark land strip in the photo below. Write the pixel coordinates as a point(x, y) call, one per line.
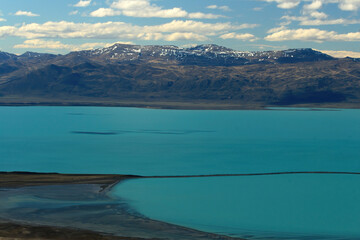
point(23, 179)
point(253, 174)
point(141, 131)
point(193, 104)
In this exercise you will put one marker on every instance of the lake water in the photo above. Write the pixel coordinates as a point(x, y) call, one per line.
point(281, 207)
point(177, 142)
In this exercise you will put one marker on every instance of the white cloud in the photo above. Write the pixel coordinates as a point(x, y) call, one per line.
point(7, 31)
point(345, 5)
point(315, 5)
point(247, 25)
point(82, 3)
point(312, 34)
point(239, 36)
point(2, 19)
point(306, 21)
point(105, 12)
point(74, 12)
point(311, 16)
point(50, 44)
point(195, 26)
point(38, 43)
point(349, 5)
point(286, 4)
point(311, 10)
point(171, 31)
point(318, 22)
point(224, 8)
point(200, 15)
point(265, 46)
point(26, 13)
point(89, 46)
point(277, 29)
point(143, 8)
point(318, 15)
point(176, 36)
point(185, 36)
point(190, 45)
point(341, 54)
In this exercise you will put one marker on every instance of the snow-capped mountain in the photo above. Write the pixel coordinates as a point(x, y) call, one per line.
point(168, 73)
point(208, 54)
point(28, 55)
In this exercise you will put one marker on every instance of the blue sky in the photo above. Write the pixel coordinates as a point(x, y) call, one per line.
point(61, 26)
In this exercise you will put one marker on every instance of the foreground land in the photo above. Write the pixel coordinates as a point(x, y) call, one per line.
point(12, 231)
point(25, 179)
point(95, 215)
point(101, 221)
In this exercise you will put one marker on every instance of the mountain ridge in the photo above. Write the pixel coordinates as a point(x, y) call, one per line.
point(128, 52)
point(205, 73)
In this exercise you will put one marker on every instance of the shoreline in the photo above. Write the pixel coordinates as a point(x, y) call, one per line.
point(169, 104)
point(19, 179)
point(114, 219)
point(100, 218)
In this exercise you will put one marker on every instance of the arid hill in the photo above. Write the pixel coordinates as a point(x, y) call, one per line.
point(163, 74)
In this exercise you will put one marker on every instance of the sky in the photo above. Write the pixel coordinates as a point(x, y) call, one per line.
point(61, 26)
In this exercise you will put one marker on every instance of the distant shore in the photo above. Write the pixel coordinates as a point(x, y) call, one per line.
point(165, 104)
point(132, 226)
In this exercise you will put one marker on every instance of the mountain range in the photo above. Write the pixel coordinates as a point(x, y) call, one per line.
point(169, 76)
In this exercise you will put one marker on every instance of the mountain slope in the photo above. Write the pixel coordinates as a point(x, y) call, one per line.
point(206, 73)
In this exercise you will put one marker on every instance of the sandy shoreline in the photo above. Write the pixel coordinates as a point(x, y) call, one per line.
point(102, 219)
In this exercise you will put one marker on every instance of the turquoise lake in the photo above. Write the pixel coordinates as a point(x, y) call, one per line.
point(179, 142)
point(281, 207)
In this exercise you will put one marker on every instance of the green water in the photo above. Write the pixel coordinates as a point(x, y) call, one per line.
point(178, 142)
point(166, 142)
point(280, 207)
